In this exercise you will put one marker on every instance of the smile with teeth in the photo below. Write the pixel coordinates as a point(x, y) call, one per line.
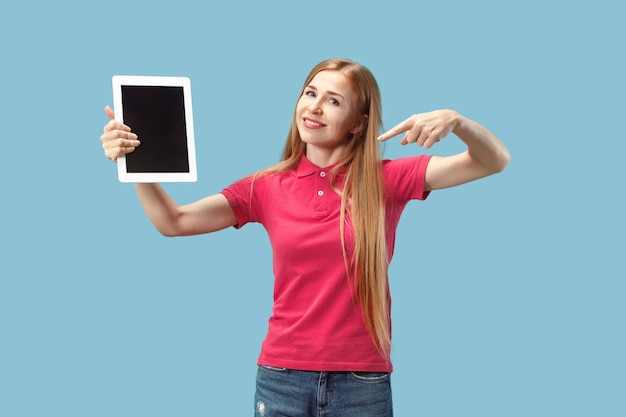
point(312, 123)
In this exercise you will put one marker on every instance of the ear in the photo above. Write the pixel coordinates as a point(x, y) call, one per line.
point(360, 124)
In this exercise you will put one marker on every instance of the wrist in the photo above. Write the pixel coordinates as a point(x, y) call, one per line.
point(458, 121)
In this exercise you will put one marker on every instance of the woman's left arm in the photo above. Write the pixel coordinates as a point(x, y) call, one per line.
point(485, 154)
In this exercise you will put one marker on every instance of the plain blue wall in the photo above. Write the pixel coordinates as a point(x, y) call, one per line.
point(508, 292)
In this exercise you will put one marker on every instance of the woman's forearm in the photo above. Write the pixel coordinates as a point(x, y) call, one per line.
point(482, 145)
point(161, 209)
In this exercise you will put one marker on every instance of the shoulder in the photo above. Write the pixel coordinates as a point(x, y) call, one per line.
point(416, 164)
point(260, 181)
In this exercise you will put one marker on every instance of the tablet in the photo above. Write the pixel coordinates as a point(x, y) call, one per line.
point(158, 110)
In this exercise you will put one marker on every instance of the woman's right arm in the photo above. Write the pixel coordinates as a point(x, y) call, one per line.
point(209, 214)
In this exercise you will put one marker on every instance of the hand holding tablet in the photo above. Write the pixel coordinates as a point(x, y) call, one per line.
point(158, 110)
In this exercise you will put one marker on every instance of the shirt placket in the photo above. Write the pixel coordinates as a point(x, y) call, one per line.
point(322, 189)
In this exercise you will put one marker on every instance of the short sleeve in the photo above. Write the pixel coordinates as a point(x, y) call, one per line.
point(405, 178)
point(240, 196)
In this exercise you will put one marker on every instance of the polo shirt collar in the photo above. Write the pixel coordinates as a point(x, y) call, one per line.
point(306, 167)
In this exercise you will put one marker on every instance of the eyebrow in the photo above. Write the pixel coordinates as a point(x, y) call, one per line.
point(311, 86)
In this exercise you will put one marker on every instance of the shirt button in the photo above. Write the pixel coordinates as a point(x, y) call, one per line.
point(320, 193)
point(322, 174)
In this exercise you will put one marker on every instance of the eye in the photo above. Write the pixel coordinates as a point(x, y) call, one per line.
point(334, 101)
point(309, 93)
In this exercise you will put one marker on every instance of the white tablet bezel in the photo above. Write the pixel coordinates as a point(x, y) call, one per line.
point(144, 80)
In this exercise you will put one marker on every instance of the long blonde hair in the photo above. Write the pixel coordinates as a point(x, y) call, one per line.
point(362, 197)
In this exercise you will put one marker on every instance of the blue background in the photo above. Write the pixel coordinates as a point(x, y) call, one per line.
point(508, 292)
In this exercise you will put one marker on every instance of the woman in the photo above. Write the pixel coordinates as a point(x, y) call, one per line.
point(331, 208)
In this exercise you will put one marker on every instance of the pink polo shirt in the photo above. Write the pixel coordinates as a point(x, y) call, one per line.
point(317, 324)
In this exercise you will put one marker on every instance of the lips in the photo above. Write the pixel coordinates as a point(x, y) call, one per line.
point(312, 124)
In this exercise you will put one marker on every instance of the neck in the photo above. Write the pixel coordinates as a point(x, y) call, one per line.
point(323, 157)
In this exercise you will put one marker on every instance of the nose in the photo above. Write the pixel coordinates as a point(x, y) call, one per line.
point(315, 106)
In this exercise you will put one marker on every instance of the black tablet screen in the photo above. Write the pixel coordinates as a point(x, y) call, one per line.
point(157, 115)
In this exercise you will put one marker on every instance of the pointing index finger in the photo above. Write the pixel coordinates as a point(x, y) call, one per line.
point(394, 131)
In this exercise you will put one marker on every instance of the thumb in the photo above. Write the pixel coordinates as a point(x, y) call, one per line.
point(109, 112)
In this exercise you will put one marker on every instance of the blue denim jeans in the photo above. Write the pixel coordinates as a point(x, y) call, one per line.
point(289, 393)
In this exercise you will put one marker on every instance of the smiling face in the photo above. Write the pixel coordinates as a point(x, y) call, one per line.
point(326, 114)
